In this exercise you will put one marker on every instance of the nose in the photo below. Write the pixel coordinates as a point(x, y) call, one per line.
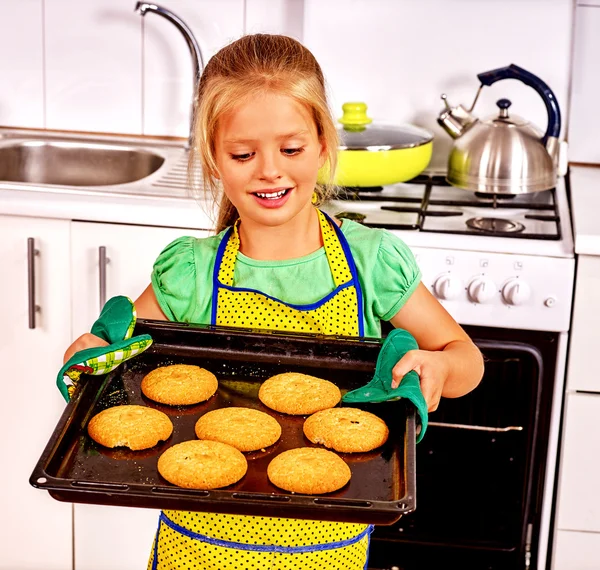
point(269, 167)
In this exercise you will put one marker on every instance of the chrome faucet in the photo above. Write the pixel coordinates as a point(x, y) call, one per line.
point(197, 60)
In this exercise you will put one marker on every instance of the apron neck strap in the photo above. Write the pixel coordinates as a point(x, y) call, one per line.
point(338, 262)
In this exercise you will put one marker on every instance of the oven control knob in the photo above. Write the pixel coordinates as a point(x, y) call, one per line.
point(516, 292)
point(482, 290)
point(447, 287)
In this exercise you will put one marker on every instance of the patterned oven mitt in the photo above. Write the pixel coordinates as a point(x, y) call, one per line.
point(379, 389)
point(114, 325)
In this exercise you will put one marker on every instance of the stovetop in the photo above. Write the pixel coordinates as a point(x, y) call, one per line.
point(429, 204)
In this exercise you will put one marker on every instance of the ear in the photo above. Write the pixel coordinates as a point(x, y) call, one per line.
point(322, 154)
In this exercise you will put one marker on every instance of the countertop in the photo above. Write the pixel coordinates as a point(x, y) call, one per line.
point(585, 208)
point(105, 206)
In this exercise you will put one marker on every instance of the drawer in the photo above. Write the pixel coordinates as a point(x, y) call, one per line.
point(585, 329)
point(579, 484)
point(576, 551)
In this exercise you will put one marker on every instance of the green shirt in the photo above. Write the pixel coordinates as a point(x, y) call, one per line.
point(182, 277)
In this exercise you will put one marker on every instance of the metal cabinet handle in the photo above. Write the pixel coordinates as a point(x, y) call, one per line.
point(33, 308)
point(102, 262)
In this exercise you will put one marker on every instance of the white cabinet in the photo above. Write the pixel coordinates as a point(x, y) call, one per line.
point(577, 539)
point(576, 551)
point(113, 538)
point(37, 530)
point(585, 332)
point(130, 253)
point(579, 499)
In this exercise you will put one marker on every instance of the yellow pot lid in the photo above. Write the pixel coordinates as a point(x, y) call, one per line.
point(357, 132)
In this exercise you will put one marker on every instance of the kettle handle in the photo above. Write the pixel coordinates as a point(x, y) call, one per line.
point(515, 72)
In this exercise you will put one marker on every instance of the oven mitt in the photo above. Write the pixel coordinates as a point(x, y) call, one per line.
point(396, 345)
point(114, 325)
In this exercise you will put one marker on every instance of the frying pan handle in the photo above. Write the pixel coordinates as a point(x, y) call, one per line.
point(515, 72)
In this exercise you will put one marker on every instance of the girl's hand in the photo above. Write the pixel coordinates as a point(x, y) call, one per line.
point(87, 340)
point(432, 367)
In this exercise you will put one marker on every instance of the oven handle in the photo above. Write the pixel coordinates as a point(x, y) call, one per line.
point(477, 428)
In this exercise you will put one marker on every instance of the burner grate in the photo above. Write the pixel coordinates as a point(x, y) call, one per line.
point(438, 207)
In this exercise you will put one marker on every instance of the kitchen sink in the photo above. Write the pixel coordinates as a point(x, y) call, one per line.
point(79, 163)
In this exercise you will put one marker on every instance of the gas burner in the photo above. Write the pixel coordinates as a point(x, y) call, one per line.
point(495, 225)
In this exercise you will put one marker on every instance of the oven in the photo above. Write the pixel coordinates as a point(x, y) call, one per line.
point(504, 268)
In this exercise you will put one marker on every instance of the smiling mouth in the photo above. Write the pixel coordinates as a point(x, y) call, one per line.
point(272, 195)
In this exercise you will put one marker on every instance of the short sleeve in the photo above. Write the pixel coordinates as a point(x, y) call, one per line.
point(396, 275)
point(174, 279)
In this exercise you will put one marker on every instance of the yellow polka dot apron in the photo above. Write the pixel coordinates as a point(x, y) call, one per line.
point(190, 540)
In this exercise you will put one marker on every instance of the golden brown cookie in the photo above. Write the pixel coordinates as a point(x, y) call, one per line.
point(201, 464)
point(298, 394)
point(308, 470)
point(179, 384)
point(348, 430)
point(135, 427)
point(243, 428)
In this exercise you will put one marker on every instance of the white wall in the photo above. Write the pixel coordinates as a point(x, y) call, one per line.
point(98, 66)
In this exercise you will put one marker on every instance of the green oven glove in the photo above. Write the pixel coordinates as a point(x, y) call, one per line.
point(114, 325)
point(395, 346)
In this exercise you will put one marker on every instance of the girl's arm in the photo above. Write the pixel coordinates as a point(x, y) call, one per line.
point(146, 307)
point(448, 362)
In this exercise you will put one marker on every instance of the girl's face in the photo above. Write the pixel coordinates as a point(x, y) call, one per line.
point(268, 154)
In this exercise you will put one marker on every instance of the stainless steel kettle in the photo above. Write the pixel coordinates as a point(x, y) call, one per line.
point(503, 154)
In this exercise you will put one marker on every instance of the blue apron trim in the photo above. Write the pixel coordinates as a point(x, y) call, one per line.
point(350, 260)
point(264, 547)
point(310, 307)
point(218, 260)
point(371, 528)
point(155, 558)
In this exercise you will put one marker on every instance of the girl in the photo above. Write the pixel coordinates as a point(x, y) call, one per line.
point(263, 130)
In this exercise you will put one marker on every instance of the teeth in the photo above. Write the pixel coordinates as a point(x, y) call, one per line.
point(271, 195)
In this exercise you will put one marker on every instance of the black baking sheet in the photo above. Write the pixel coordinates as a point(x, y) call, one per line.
point(76, 469)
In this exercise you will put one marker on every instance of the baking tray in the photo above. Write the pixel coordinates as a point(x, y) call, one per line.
point(74, 468)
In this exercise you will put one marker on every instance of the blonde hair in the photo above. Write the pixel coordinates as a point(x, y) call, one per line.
point(248, 67)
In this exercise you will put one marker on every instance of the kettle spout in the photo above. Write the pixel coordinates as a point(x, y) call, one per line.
point(455, 120)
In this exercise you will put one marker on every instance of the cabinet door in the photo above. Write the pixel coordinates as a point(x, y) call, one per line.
point(131, 252)
point(37, 530)
point(576, 551)
point(585, 334)
point(578, 498)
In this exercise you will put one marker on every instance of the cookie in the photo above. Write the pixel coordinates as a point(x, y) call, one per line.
point(348, 430)
point(308, 470)
point(179, 384)
point(243, 428)
point(135, 427)
point(298, 394)
point(201, 464)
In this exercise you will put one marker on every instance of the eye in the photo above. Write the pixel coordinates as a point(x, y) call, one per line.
point(242, 157)
point(292, 151)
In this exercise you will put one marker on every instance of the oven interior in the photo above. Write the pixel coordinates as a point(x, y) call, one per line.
point(481, 465)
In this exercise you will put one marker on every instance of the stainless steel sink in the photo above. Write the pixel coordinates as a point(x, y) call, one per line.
point(67, 163)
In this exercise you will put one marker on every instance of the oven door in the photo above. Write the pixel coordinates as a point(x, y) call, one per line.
point(481, 466)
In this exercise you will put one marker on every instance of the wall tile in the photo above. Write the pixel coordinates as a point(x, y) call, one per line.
point(399, 57)
point(280, 17)
point(584, 124)
point(93, 66)
point(167, 62)
point(21, 64)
